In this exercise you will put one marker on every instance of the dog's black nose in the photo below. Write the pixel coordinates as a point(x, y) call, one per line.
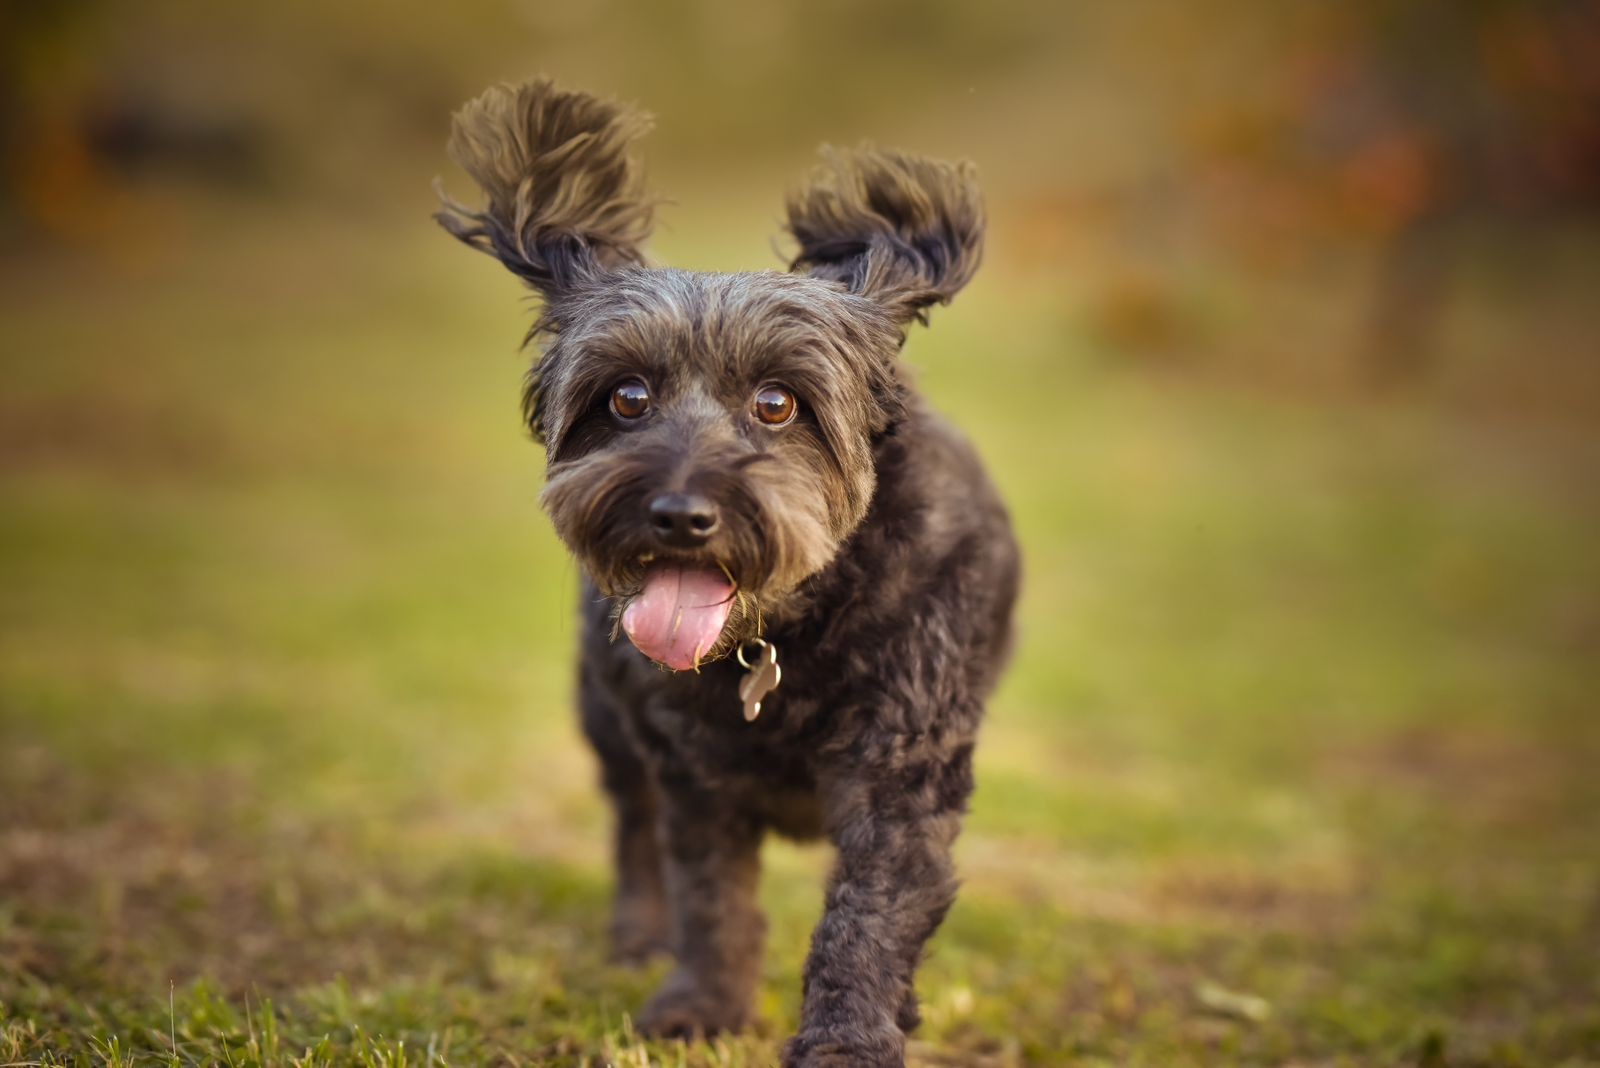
point(683, 520)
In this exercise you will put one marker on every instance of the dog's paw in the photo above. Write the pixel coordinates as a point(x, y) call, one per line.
point(681, 1010)
point(840, 1046)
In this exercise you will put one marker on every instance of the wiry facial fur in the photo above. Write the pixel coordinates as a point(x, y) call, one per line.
point(863, 538)
point(705, 342)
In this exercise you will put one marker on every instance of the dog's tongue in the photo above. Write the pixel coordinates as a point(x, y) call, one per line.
point(678, 616)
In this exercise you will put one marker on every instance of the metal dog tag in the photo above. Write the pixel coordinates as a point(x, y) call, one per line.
point(763, 678)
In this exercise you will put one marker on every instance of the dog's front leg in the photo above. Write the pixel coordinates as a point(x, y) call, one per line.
point(712, 865)
point(890, 889)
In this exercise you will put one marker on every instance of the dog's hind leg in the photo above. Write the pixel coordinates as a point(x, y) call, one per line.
point(639, 913)
point(713, 865)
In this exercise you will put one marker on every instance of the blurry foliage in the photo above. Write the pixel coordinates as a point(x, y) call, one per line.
point(1141, 143)
point(1320, 115)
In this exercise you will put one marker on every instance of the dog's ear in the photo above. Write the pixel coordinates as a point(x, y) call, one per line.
point(904, 230)
point(565, 200)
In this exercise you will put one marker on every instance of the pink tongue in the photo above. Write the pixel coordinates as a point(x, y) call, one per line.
point(679, 614)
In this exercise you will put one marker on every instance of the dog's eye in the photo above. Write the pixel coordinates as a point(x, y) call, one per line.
point(630, 399)
point(774, 405)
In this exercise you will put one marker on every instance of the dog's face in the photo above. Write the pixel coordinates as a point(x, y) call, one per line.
point(709, 436)
point(709, 441)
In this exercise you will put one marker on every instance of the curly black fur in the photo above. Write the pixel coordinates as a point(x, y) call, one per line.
point(864, 540)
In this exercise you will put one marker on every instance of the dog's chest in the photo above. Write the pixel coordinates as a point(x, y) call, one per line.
point(701, 720)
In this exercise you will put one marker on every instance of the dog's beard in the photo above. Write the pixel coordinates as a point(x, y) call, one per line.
point(774, 534)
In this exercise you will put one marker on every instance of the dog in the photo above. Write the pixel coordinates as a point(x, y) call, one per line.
point(798, 582)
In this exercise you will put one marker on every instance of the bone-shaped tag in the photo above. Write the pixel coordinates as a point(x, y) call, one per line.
point(762, 680)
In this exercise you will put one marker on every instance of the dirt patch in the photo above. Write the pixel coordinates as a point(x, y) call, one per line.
point(1481, 774)
point(1322, 900)
point(115, 435)
point(132, 893)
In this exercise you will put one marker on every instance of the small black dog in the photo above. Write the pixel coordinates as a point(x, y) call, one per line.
point(814, 572)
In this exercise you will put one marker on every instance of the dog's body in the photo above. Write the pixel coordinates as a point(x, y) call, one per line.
point(867, 739)
point(739, 465)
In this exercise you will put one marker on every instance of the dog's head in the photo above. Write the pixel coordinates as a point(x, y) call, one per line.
point(709, 436)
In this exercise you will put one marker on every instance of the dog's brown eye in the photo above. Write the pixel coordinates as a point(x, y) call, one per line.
point(631, 398)
point(774, 405)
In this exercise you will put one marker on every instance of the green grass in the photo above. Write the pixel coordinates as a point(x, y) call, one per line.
point(1295, 764)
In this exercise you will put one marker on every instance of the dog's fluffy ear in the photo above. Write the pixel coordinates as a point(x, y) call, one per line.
point(904, 230)
point(565, 199)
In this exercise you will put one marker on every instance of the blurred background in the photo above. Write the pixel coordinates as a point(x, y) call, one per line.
point(1285, 355)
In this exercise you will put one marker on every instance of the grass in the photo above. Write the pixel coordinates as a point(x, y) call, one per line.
point(1295, 764)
